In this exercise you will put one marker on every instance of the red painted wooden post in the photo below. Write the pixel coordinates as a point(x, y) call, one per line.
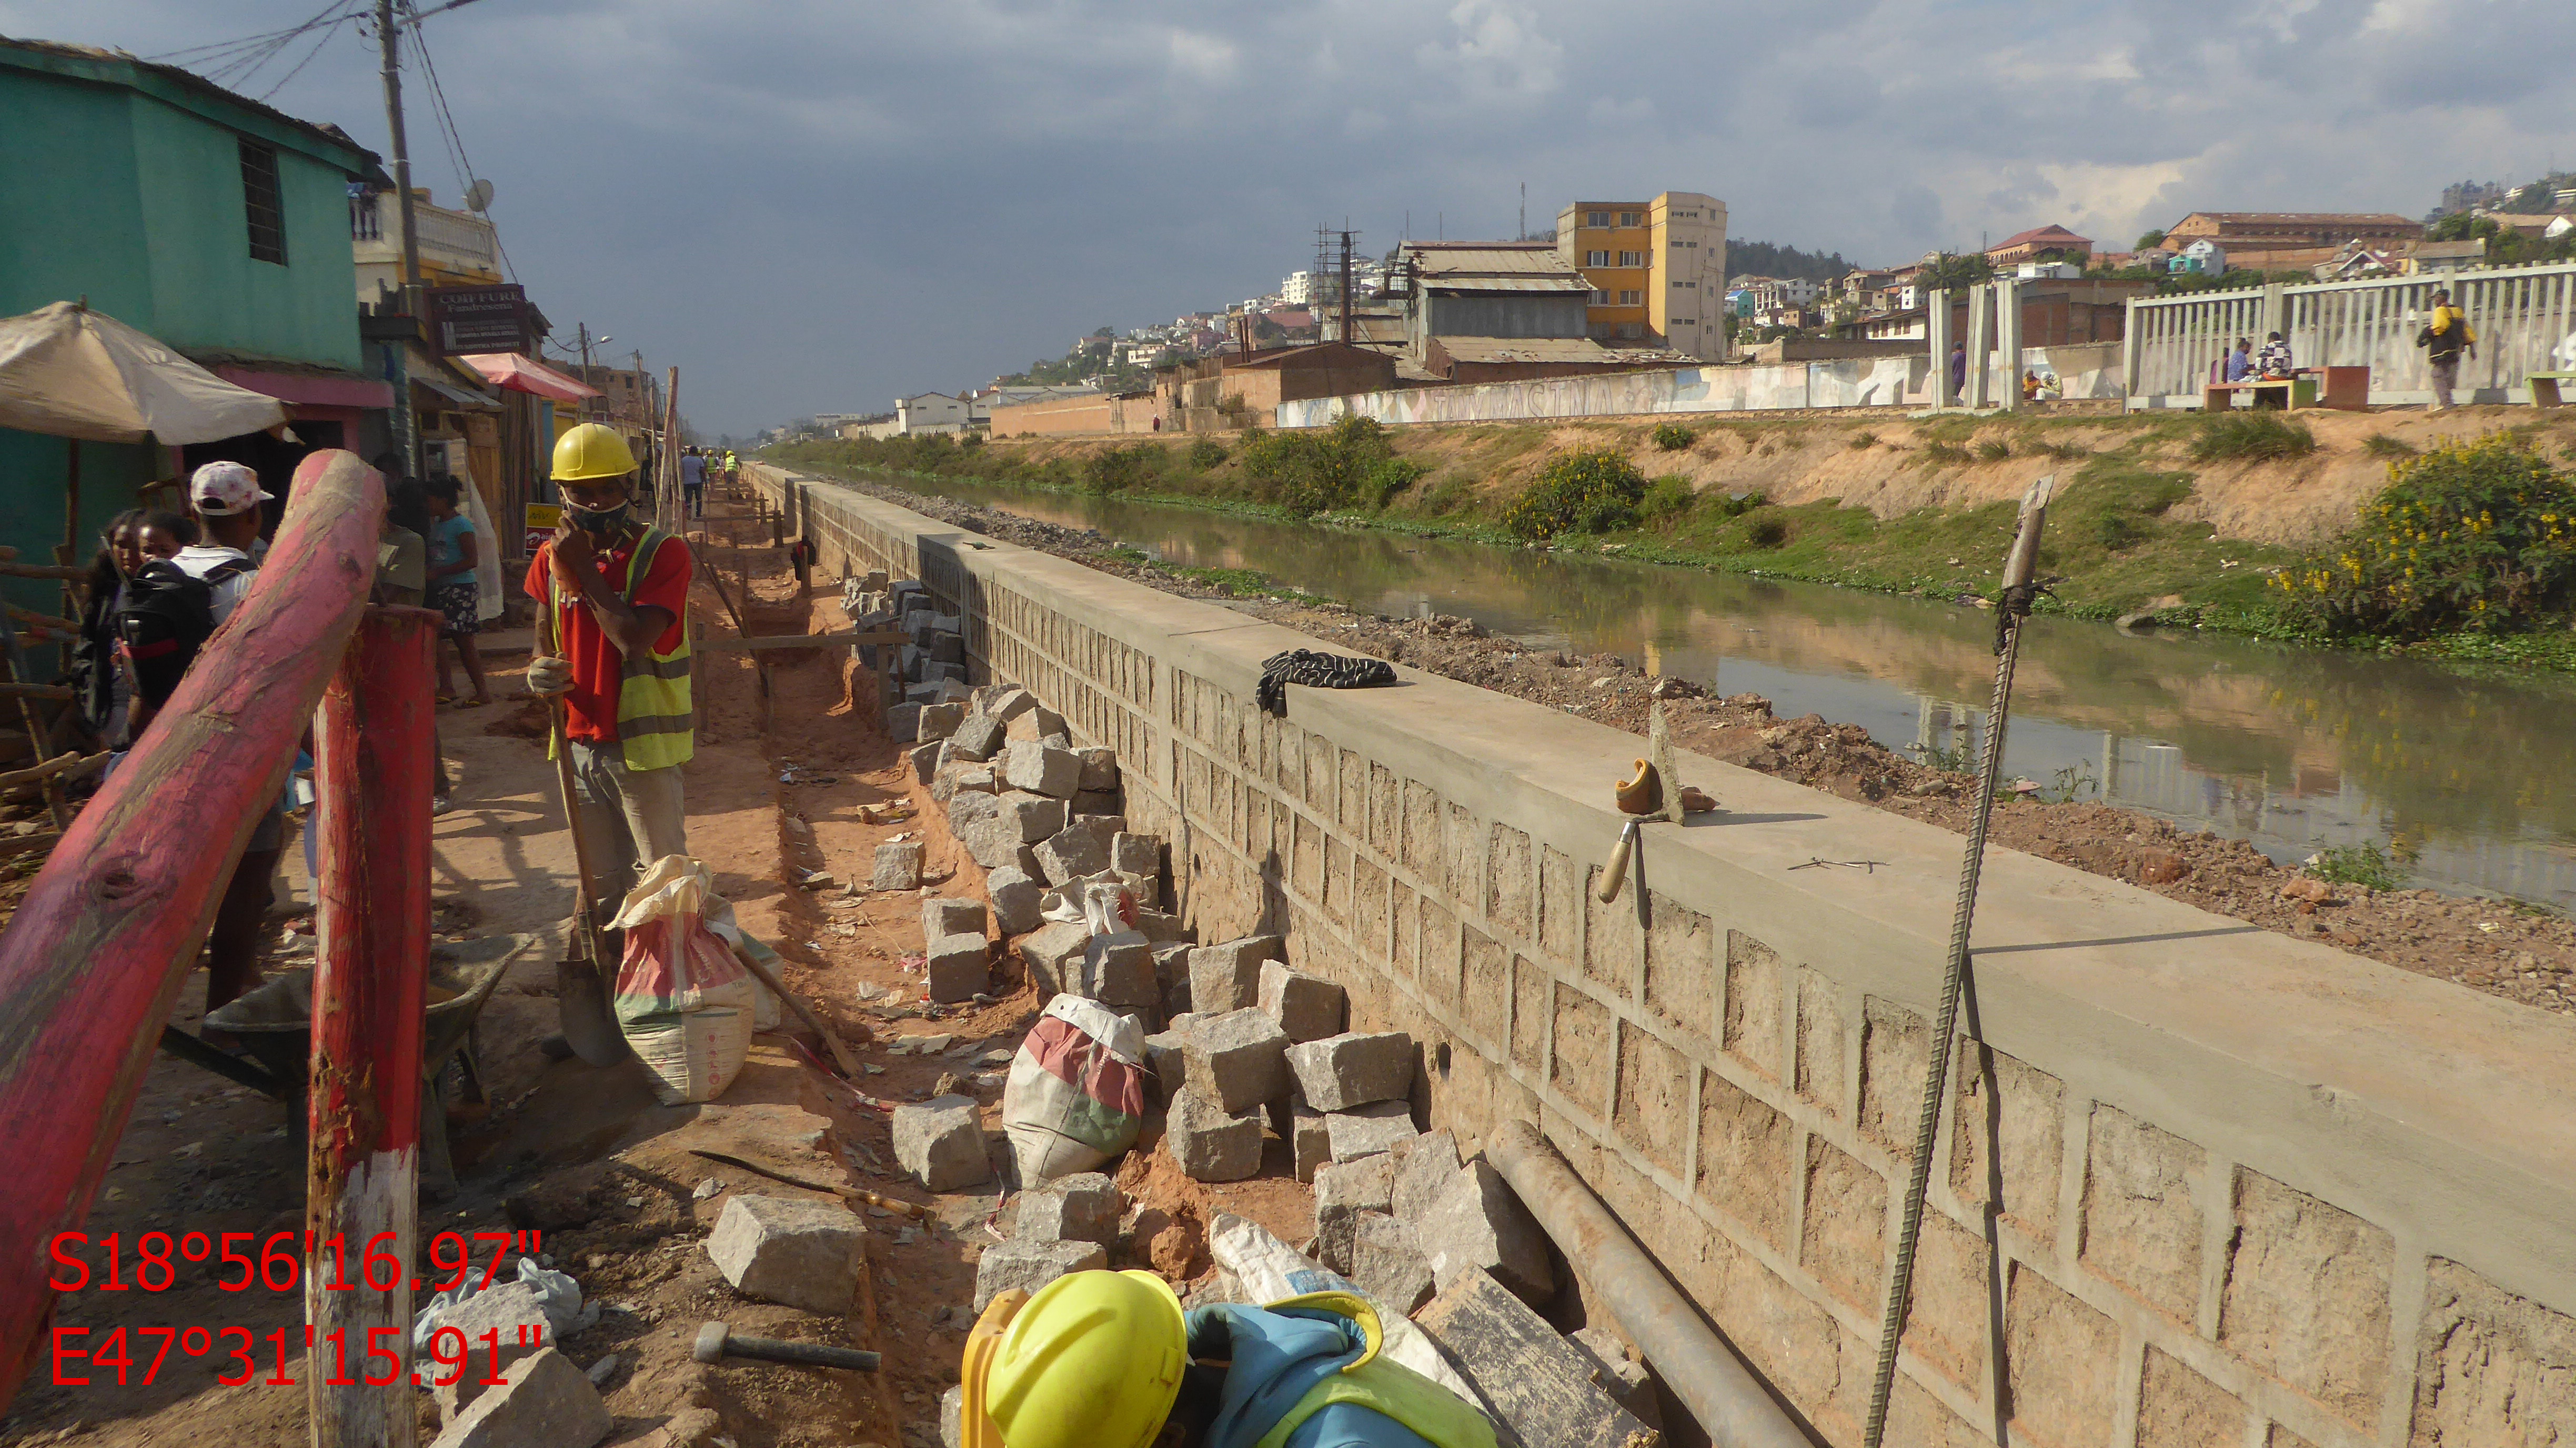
point(109, 930)
point(372, 783)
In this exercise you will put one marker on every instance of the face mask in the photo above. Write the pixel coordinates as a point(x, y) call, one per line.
point(597, 520)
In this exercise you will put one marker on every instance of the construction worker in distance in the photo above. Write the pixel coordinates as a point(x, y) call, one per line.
point(1109, 1360)
point(619, 592)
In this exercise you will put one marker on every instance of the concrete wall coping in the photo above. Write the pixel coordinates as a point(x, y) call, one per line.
point(2400, 1097)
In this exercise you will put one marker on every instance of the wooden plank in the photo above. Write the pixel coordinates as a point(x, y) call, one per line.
point(36, 691)
point(772, 642)
point(1537, 1385)
point(69, 766)
point(42, 570)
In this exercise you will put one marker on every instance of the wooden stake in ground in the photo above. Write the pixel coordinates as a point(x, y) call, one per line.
point(371, 956)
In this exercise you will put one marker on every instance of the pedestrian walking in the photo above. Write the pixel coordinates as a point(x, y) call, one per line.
point(619, 595)
point(2446, 338)
point(226, 499)
point(1958, 370)
point(693, 484)
point(453, 552)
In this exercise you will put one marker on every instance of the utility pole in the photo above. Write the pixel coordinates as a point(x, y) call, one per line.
point(388, 41)
point(1524, 232)
point(406, 426)
point(589, 378)
point(1346, 288)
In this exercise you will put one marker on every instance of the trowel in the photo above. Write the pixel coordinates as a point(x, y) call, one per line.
point(1655, 793)
point(581, 978)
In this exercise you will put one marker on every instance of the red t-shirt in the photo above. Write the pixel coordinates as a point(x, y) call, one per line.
point(590, 709)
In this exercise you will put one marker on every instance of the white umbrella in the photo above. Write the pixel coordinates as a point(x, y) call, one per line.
point(67, 371)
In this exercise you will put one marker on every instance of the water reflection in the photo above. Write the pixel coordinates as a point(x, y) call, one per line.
point(2294, 749)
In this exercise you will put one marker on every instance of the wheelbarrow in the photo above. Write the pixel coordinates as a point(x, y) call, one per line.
point(275, 1024)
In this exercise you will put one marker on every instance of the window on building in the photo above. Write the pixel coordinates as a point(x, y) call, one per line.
point(1632, 329)
point(1596, 258)
point(1632, 299)
point(1600, 298)
point(262, 205)
point(1631, 218)
point(1632, 258)
point(1596, 218)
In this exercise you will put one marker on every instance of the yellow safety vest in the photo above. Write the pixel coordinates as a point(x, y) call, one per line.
point(1390, 1388)
point(656, 722)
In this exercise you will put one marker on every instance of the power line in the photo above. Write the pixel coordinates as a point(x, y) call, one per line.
point(448, 131)
point(327, 33)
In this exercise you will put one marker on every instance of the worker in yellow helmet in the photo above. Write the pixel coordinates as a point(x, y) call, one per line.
point(618, 594)
point(1109, 1360)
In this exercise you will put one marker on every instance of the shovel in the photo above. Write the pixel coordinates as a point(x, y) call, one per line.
point(581, 977)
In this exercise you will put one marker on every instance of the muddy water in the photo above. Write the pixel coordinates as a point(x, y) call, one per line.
point(2294, 749)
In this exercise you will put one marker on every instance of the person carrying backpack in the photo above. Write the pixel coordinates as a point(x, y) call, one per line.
point(226, 499)
point(2445, 338)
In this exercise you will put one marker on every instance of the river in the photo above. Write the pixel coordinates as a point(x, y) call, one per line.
point(2295, 749)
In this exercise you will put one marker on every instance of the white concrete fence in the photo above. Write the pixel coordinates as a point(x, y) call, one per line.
point(2523, 318)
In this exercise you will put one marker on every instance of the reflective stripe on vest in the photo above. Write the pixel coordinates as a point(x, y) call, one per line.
point(656, 721)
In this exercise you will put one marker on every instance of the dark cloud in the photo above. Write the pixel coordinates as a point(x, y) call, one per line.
point(808, 204)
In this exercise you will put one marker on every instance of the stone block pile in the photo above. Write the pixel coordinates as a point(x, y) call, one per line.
point(1254, 1048)
point(1069, 1225)
point(931, 667)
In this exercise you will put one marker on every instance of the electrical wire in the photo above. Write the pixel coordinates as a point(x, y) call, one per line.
point(234, 62)
point(298, 69)
point(194, 54)
point(448, 131)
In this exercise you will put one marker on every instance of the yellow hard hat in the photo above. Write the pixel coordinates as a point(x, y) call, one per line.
point(592, 450)
point(1093, 1361)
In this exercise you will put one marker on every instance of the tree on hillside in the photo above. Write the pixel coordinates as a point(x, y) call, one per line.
point(1951, 271)
point(1763, 259)
point(2150, 240)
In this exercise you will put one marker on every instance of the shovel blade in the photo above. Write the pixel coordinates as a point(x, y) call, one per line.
point(589, 1022)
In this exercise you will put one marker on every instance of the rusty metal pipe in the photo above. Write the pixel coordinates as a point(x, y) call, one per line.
point(1726, 1396)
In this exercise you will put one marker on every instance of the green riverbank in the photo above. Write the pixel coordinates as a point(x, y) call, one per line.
point(2110, 538)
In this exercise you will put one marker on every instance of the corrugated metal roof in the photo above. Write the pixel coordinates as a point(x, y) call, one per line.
point(1523, 349)
point(1507, 284)
point(1495, 269)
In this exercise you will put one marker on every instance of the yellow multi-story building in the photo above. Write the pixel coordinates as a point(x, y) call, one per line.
point(1657, 269)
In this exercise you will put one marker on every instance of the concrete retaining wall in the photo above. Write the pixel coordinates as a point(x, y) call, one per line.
point(2203, 1184)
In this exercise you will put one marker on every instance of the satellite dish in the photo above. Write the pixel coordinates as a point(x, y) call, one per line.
point(478, 197)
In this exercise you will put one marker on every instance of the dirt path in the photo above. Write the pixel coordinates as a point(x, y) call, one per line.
point(585, 1156)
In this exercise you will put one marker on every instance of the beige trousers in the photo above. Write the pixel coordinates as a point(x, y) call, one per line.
point(629, 817)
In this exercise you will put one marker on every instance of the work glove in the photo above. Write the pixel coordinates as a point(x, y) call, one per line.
point(549, 676)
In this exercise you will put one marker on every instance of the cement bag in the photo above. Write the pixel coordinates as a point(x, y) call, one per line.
point(1272, 1271)
point(764, 1004)
point(1076, 1094)
point(682, 1000)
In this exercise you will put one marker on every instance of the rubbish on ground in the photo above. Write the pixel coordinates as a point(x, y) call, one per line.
point(716, 1342)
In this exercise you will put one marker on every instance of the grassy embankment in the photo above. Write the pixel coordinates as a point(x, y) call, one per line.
point(1896, 506)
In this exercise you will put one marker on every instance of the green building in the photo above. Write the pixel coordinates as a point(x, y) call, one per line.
point(215, 224)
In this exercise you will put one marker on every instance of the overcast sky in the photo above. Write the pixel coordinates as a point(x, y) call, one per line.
point(817, 206)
